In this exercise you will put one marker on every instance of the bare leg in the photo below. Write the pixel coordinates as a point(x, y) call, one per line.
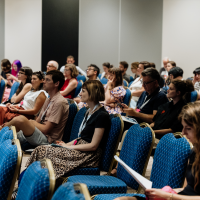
point(22, 123)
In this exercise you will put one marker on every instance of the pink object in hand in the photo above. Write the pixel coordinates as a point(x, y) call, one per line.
point(138, 110)
point(75, 142)
point(165, 189)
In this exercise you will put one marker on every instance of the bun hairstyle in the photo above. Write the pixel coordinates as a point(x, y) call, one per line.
point(108, 65)
point(190, 114)
point(185, 87)
point(6, 65)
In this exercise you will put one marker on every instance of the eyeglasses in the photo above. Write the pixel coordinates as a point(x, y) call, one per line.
point(66, 70)
point(21, 72)
point(89, 69)
point(146, 83)
point(50, 66)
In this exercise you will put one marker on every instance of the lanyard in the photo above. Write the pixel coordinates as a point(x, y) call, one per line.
point(43, 115)
point(145, 102)
point(86, 118)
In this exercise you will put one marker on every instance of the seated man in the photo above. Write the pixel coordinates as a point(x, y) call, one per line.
point(149, 100)
point(52, 65)
point(92, 74)
point(196, 79)
point(50, 124)
point(175, 73)
point(70, 60)
point(123, 65)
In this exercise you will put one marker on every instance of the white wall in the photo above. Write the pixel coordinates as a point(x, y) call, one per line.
point(23, 22)
point(2, 30)
point(118, 30)
point(181, 33)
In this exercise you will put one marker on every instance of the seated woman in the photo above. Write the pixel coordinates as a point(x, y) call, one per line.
point(31, 104)
point(134, 67)
point(190, 120)
point(166, 119)
point(136, 87)
point(106, 67)
point(25, 86)
point(86, 150)
point(6, 69)
point(114, 92)
point(170, 65)
point(16, 66)
point(69, 87)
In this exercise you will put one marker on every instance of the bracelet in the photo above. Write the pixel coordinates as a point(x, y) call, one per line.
point(171, 197)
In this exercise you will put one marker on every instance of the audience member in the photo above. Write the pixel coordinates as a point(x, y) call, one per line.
point(106, 67)
point(86, 150)
point(24, 77)
point(190, 120)
point(170, 65)
point(6, 69)
point(52, 65)
point(50, 124)
point(196, 79)
point(114, 91)
point(69, 87)
point(16, 66)
point(136, 87)
point(70, 60)
point(176, 73)
point(123, 65)
point(31, 104)
point(163, 70)
point(134, 67)
point(153, 65)
point(149, 100)
point(166, 119)
point(92, 74)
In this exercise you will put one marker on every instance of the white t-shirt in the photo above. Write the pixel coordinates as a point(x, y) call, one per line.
point(136, 85)
point(30, 99)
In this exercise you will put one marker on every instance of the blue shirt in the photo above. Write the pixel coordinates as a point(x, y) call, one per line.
point(152, 101)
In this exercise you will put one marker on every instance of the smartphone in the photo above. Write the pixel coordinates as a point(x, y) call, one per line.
point(120, 105)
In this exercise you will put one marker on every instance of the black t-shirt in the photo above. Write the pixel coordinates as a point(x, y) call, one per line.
point(189, 189)
point(99, 119)
point(167, 117)
point(3, 74)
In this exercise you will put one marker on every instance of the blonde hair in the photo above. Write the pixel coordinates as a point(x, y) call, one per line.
point(95, 90)
point(191, 116)
point(74, 71)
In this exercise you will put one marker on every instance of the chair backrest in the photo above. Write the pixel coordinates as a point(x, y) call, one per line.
point(170, 161)
point(194, 96)
point(10, 163)
point(135, 152)
point(14, 89)
point(77, 123)
point(78, 89)
point(127, 97)
point(99, 76)
point(125, 83)
point(131, 79)
point(130, 83)
point(73, 109)
point(104, 81)
point(81, 77)
point(7, 133)
point(78, 191)
point(114, 137)
point(2, 89)
point(38, 181)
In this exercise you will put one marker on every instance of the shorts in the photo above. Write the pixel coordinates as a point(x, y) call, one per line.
point(36, 139)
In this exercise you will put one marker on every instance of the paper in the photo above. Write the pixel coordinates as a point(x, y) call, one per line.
point(145, 183)
point(3, 105)
point(130, 120)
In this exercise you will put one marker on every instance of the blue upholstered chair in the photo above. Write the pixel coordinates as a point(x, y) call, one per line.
point(130, 83)
point(99, 76)
point(125, 83)
point(7, 133)
point(78, 88)
point(10, 163)
point(169, 164)
point(38, 181)
point(73, 109)
point(109, 151)
point(127, 97)
point(81, 77)
point(14, 89)
point(194, 96)
point(2, 89)
point(77, 191)
point(104, 81)
point(131, 79)
point(135, 152)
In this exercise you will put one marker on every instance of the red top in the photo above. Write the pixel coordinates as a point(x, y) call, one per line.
point(71, 94)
